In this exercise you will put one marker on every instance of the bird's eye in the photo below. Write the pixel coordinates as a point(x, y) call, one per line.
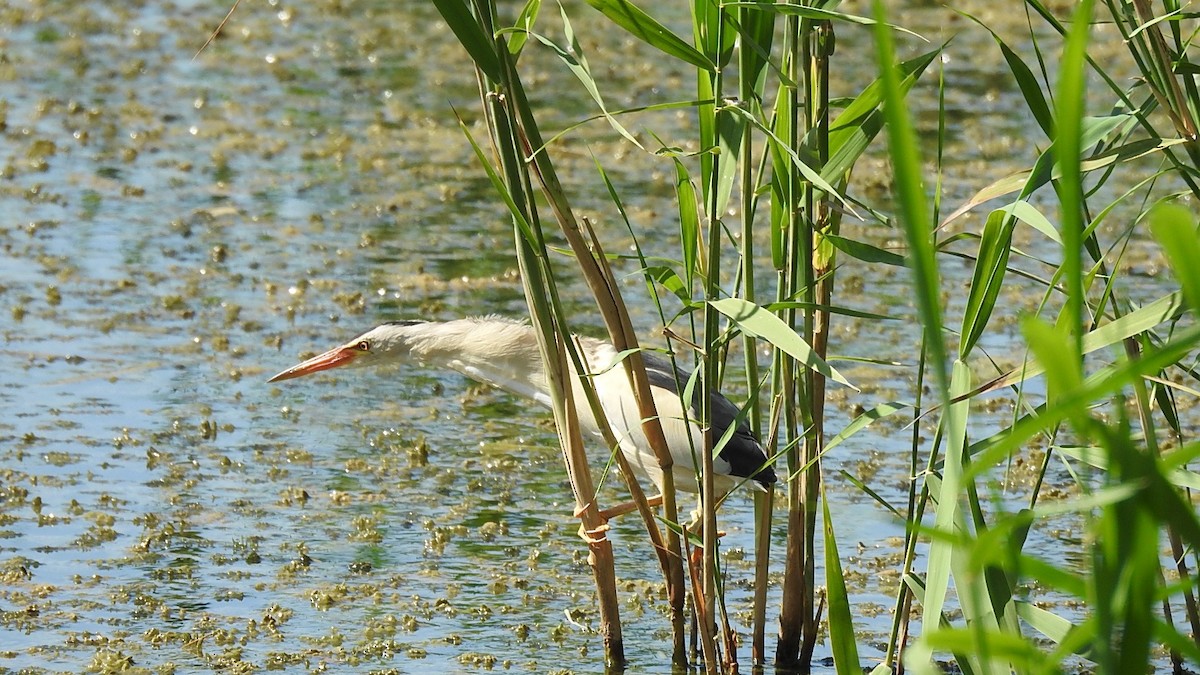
point(364, 346)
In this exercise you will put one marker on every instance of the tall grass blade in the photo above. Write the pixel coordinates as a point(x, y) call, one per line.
point(523, 26)
point(1030, 88)
point(1028, 214)
point(576, 62)
point(910, 196)
point(1104, 382)
point(990, 267)
point(466, 28)
point(946, 519)
point(866, 252)
point(1177, 642)
point(1072, 83)
point(755, 31)
point(1174, 227)
point(919, 656)
point(713, 31)
point(881, 411)
point(690, 234)
point(1166, 308)
point(851, 132)
point(842, 637)
point(1044, 171)
point(647, 29)
point(1053, 626)
point(1024, 656)
point(819, 14)
point(1061, 363)
point(1027, 82)
point(729, 143)
point(783, 149)
point(866, 489)
point(756, 321)
point(1128, 568)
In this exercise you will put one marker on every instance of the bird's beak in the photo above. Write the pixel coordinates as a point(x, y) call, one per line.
point(338, 356)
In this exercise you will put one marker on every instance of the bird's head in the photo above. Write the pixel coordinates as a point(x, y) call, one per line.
point(383, 343)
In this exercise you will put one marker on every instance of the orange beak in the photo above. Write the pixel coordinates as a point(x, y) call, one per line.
point(338, 356)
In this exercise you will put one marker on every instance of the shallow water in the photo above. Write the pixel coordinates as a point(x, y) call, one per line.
point(177, 230)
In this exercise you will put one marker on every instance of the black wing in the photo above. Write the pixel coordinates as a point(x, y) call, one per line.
point(743, 452)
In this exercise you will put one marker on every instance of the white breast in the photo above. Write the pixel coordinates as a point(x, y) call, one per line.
point(684, 437)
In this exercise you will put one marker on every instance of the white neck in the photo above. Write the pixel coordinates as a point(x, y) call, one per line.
point(500, 352)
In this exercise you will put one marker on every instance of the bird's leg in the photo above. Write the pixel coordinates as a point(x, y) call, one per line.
point(694, 557)
point(627, 507)
point(696, 526)
point(594, 535)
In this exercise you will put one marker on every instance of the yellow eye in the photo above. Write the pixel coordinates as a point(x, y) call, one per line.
point(364, 346)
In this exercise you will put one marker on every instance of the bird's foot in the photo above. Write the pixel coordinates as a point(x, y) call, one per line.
point(627, 507)
point(594, 536)
point(696, 534)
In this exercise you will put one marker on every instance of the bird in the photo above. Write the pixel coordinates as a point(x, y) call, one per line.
point(504, 353)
